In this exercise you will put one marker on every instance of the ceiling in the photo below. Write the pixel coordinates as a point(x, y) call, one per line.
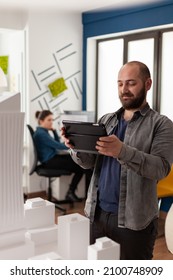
point(78, 6)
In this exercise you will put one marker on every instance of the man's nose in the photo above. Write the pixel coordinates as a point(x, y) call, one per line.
point(124, 88)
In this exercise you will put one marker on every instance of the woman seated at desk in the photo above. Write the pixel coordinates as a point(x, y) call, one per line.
point(48, 148)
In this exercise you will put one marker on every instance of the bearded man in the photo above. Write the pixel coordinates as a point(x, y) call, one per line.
point(122, 201)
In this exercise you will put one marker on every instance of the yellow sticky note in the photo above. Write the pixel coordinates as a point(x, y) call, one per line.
point(57, 86)
point(4, 63)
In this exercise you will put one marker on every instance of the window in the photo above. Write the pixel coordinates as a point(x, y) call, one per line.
point(152, 48)
point(166, 75)
point(143, 50)
point(110, 60)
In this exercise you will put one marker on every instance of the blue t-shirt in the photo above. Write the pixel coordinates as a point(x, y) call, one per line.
point(109, 181)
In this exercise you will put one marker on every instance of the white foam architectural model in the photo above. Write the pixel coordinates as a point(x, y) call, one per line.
point(40, 224)
point(29, 231)
point(47, 256)
point(73, 236)
point(13, 243)
point(69, 240)
point(169, 229)
point(104, 249)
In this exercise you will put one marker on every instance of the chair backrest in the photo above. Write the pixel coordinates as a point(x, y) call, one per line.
point(39, 168)
point(35, 161)
point(31, 130)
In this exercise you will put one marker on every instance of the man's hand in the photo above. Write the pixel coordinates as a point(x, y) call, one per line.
point(109, 146)
point(65, 139)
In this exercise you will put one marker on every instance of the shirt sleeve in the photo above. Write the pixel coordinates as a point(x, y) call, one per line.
point(85, 160)
point(156, 164)
point(47, 140)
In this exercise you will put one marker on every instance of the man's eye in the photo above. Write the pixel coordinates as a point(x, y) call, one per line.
point(132, 83)
point(120, 84)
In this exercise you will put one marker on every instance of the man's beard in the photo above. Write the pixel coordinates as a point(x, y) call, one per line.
point(134, 102)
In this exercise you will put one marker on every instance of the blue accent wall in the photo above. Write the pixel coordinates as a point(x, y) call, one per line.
point(121, 20)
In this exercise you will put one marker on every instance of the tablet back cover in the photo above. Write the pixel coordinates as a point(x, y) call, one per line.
point(84, 135)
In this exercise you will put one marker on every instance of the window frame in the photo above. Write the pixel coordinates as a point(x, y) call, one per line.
point(157, 36)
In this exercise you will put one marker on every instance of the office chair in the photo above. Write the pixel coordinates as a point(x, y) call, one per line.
point(165, 186)
point(48, 173)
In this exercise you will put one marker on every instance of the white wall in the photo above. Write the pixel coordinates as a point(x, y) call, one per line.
point(49, 37)
point(48, 33)
point(12, 25)
point(12, 45)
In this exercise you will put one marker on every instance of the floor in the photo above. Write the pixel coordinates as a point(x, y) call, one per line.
point(160, 251)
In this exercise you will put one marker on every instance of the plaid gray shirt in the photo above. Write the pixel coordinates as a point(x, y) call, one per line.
point(146, 157)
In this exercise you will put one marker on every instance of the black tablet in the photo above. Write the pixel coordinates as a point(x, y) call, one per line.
point(84, 135)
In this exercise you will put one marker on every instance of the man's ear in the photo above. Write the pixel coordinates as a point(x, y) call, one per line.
point(148, 84)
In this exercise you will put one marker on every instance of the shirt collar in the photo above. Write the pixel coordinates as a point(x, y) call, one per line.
point(143, 111)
